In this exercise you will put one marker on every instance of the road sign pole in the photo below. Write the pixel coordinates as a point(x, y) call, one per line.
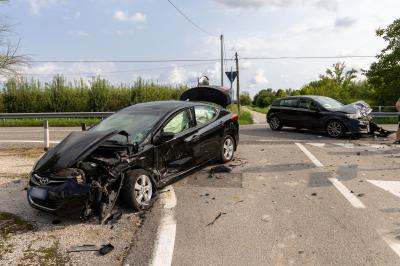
point(222, 59)
point(237, 83)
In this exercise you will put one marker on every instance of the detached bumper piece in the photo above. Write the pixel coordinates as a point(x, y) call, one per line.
point(64, 199)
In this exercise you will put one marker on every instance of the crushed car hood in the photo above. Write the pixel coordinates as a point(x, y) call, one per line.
point(359, 107)
point(75, 147)
point(215, 94)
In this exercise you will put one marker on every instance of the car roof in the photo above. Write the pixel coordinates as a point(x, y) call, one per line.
point(314, 97)
point(164, 106)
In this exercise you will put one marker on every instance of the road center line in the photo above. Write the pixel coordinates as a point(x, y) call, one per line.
point(356, 202)
point(165, 241)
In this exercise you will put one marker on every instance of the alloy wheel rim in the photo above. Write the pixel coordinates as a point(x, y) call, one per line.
point(228, 148)
point(274, 123)
point(143, 190)
point(334, 129)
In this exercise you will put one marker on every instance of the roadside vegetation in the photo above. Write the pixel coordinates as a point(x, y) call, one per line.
point(53, 122)
point(245, 117)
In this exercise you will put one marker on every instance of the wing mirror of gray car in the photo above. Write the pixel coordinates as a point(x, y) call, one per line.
point(163, 137)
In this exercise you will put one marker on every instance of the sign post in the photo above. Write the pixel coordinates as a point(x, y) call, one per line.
point(231, 76)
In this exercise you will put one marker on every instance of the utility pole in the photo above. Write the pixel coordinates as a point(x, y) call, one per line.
point(222, 59)
point(237, 83)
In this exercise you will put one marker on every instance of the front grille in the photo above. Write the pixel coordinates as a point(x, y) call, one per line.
point(48, 203)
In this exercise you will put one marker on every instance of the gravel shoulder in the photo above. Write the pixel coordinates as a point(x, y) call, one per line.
point(28, 237)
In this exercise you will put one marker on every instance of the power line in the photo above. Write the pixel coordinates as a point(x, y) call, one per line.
point(191, 21)
point(308, 57)
point(126, 61)
point(202, 60)
point(116, 72)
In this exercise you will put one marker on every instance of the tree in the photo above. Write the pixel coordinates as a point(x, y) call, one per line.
point(245, 99)
point(339, 74)
point(384, 74)
point(264, 98)
point(10, 61)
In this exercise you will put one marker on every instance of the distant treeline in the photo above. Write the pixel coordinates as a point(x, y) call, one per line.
point(30, 96)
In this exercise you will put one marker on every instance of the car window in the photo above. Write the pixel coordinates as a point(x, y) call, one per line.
point(204, 114)
point(289, 102)
point(308, 104)
point(179, 123)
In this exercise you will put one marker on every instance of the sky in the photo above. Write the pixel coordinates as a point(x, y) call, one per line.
point(115, 30)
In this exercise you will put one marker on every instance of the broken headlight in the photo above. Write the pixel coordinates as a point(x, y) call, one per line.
point(353, 116)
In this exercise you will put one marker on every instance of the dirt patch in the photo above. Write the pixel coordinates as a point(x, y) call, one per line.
point(28, 236)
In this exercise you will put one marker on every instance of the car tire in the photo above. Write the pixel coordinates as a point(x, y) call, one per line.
point(138, 190)
point(275, 123)
point(335, 129)
point(227, 149)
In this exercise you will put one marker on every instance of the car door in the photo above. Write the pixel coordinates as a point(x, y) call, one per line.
point(308, 114)
point(209, 133)
point(176, 154)
point(288, 111)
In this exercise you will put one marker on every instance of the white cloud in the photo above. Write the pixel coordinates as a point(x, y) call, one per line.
point(37, 5)
point(121, 15)
point(259, 79)
point(272, 4)
point(345, 22)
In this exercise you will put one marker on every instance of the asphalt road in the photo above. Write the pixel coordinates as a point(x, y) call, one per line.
point(293, 198)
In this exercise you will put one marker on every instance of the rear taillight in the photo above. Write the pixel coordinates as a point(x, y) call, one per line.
point(234, 117)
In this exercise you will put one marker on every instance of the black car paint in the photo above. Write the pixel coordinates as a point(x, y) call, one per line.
point(314, 119)
point(164, 162)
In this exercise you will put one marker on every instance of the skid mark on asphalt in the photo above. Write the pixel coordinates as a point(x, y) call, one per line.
point(165, 241)
point(354, 201)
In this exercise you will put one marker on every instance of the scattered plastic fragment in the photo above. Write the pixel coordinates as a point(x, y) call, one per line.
point(216, 218)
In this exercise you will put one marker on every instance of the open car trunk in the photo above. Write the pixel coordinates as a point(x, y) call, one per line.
point(202, 93)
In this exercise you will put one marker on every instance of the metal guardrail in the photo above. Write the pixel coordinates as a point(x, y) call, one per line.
point(386, 114)
point(56, 115)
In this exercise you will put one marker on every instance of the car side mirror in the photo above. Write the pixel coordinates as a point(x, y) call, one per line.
point(163, 137)
point(133, 148)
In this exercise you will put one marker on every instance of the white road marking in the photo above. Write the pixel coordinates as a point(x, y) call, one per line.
point(394, 245)
point(347, 194)
point(165, 241)
point(345, 145)
point(319, 145)
point(390, 186)
point(310, 156)
point(28, 141)
point(338, 185)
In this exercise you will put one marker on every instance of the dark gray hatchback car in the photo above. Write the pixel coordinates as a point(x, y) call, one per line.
point(320, 113)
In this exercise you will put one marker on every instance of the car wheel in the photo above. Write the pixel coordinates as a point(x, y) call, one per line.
point(227, 149)
point(138, 189)
point(335, 129)
point(275, 123)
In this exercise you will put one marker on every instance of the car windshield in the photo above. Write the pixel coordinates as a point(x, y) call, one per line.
point(137, 124)
point(329, 103)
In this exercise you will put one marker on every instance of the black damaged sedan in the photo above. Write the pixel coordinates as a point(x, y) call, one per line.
point(133, 153)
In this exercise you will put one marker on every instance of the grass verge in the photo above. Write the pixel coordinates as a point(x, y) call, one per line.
point(386, 120)
point(263, 110)
point(245, 117)
point(53, 122)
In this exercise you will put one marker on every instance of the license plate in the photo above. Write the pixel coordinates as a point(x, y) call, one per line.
point(39, 193)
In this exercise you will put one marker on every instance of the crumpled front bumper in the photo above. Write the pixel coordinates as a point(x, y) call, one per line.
point(357, 126)
point(63, 199)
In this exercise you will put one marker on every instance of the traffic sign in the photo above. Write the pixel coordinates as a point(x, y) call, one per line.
point(231, 75)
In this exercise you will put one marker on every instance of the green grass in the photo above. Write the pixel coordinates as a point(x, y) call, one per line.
point(386, 120)
point(263, 110)
point(245, 117)
point(53, 122)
